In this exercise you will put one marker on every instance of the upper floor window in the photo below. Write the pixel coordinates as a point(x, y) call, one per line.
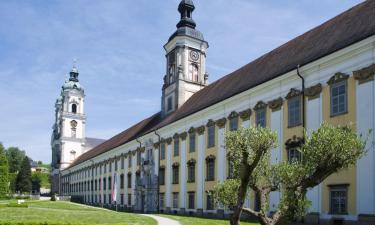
point(191, 170)
point(233, 121)
point(176, 148)
point(162, 151)
point(230, 169)
point(294, 155)
point(109, 183)
point(138, 158)
point(210, 135)
point(74, 108)
point(338, 199)
point(130, 161)
point(294, 111)
point(175, 174)
point(192, 142)
point(161, 176)
point(169, 104)
point(338, 98)
point(260, 117)
point(122, 162)
point(210, 168)
point(129, 180)
point(122, 181)
point(193, 74)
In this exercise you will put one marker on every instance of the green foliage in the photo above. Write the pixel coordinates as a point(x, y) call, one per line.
point(24, 177)
point(4, 176)
point(53, 197)
point(16, 205)
point(223, 193)
point(36, 181)
point(15, 157)
point(12, 182)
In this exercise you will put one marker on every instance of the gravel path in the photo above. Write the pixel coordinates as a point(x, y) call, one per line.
point(162, 220)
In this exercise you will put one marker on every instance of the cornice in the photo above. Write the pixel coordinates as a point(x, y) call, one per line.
point(313, 91)
point(365, 74)
point(245, 115)
point(221, 122)
point(338, 77)
point(275, 104)
point(293, 93)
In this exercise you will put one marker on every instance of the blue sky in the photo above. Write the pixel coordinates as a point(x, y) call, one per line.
point(119, 47)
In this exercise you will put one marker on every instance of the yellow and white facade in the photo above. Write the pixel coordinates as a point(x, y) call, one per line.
point(172, 167)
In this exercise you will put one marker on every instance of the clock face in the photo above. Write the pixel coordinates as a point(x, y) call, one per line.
point(73, 123)
point(194, 55)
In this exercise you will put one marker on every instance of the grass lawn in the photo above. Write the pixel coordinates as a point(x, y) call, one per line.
point(67, 213)
point(188, 220)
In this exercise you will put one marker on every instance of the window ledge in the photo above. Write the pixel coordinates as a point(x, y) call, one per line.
point(295, 125)
point(339, 114)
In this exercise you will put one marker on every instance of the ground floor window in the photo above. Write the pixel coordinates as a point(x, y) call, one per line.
point(109, 199)
point(339, 199)
point(105, 199)
point(210, 202)
point(129, 199)
point(191, 200)
point(122, 199)
point(175, 200)
point(161, 200)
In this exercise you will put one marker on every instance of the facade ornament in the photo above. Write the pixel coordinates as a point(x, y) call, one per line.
point(176, 164)
point(162, 167)
point(210, 158)
point(294, 142)
point(191, 130)
point(232, 115)
point(245, 115)
point(143, 149)
point(156, 145)
point(275, 104)
point(221, 122)
point(191, 162)
point(260, 105)
point(210, 123)
point(313, 91)
point(169, 140)
point(200, 130)
point(183, 135)
point(338, 77)
point(134, 152)
point(176, 136)
point(138, 171)
point(162, 141)
point(293, 93)
point(365, 74)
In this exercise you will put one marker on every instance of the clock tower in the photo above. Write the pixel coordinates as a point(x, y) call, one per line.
point(186, 61)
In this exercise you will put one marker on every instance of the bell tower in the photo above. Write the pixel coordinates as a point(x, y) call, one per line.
point(185, 61)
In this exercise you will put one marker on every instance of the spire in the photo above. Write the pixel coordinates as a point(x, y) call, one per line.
point(74, 72)
point(186, 8)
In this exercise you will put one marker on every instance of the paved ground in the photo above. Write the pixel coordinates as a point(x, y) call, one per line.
point(162, 220)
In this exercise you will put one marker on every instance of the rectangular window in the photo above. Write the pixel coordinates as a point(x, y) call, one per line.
point(129, 180)
point(233, 123)
point(176, 149)
point(96, 185)
point(260, 118)
point(116, 165)
point(161, 176)
point(169, 104)
point(175, 175)
point(138, 158)
point(129, 199)
point(109, 183)
point(192, 142)
point(338, 200)
point(191, 200)
point(110, 167)
point(138, 179)
point(122, 181)
point(191, 173)
point(175, 200)
point(122, 199)
point(338, 98)
point(161, 200)
point(130, 161)
point(211, 136)
point(122, 163)
point(162, 152)
point(105, 168)
point(230, 169)
point(109, 199)
point(104, 199)
point(294, 155)
point(210, 170)
point(210, 202)
point(294, 111)
point(104, 184)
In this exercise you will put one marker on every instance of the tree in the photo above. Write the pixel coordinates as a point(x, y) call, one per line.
point(15, 157)
point(4, 176)
point(36, 181)
point(23, 183)
point(326, 151)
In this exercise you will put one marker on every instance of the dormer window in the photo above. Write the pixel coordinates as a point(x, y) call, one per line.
point(74, 108)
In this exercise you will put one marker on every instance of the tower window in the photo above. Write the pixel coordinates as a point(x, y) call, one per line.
point(169, 104)
point(74, 108)
point(193, 73)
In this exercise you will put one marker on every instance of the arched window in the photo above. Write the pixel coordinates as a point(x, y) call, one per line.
point(193, 73)
point(74, 108)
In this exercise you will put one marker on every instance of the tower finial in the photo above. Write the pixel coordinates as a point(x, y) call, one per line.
point(74, 72)
point(186, 8)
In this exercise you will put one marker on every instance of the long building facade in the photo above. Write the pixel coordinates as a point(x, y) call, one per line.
point(170, 161)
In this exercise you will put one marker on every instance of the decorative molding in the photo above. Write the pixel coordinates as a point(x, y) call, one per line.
point(162, 141)
point(221, 122)
point(365, 74)
point(168, 140)
point(138, 171)
point(275, 104)
point(338, 77)
point(293, 93)
point(143, 149)
point(200, 130)
point(232, 115)
point(260, 105)
point(210, 158)
point(294, 142)
point(183, 135)
point(162, 167)
point(210, 123)
point(176, 136)
point(133, 152)
point(313, 91)
point(191, 162)
point(176, 164)
point(245, 115)
point(191, 130)
point(156, 145)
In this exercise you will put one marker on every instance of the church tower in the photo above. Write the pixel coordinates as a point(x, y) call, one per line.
point(68, 138)
point(186, 61)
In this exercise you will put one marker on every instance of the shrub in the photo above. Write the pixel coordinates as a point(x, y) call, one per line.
point(53, 197)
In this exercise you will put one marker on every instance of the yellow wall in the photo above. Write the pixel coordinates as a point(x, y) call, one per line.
point(347, 176)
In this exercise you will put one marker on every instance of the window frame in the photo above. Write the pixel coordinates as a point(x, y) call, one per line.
point(211, 136)
point(191, 200)
point(175, 198)
point(191, 173)
point(345, 95)
point(258, 121)
point(161, 177)
point(176, 146)
point(337, 188)
point(210, 169)
point(293, 110)
point(175, 174)
point(162, 151)
point(192, 138)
